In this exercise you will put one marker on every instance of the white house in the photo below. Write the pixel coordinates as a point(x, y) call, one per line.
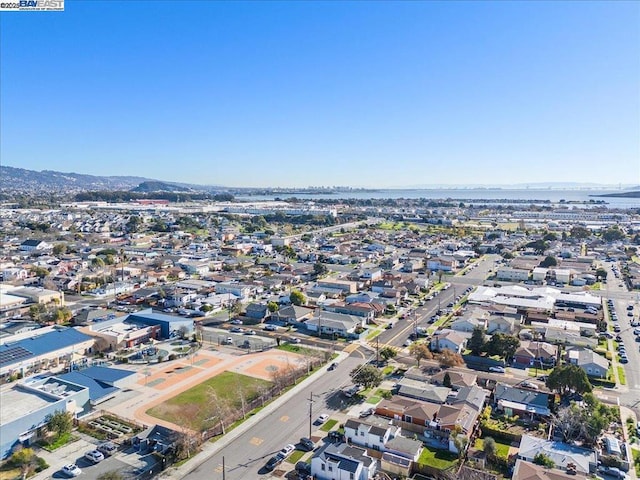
point(449, 340)
point(369, 433)
point(340, 461)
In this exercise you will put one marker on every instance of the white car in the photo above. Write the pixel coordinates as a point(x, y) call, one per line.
point(270, 328)
point(288, 449)
point(71, 470)
point(497, 369)
point(94, 455)
point(322, 418)
point(530, 385)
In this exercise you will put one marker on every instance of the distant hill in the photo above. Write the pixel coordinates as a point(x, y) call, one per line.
point(22, 180)
point(634, 194)
point(151, 186)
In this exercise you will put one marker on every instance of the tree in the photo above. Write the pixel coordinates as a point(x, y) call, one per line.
point(40, 272)
point(367, 376)
point(612, 234)
point(567, 378)
point(550, 237)
point(23, 459)
point(273, 306)
point(579, 233)
point(420, 351)
point(476, 342)
point(297, 297)
point(540, 246)
point(37, 311)
point(60, 423)
point(446, 380)
point(460, 441)
point(544, 460)
point(502, 345)
point(489, 447)
point(134, 223)
point(450, 359)
point(549, 261)
point(59, 249)
point(601, 273)
point(63, 315)
point(320, 269)
point(387, 353)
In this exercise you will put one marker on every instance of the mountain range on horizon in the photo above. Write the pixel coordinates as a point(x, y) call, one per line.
point(13, 179)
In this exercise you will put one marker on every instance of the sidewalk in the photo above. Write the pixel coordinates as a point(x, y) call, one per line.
point(209, 449)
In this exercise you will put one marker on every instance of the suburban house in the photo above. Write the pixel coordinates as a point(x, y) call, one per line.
point(342, 461)
point(593, 364)
point(370, 433)
point(458, 379)
point(35, 245)
point(328, 323)
point(257, 311)
point(560, 453)
point(519, 401)
point(468, 324)
point(417, 412)
point(524, 470)
point(502, 324)
point(449, 340)
point(422, 391)
point(531, 353)
point(293, 315)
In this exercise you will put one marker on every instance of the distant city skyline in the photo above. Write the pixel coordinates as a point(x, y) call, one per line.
point(298, 94)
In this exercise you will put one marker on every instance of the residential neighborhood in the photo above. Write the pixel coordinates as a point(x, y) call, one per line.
point(448, 339)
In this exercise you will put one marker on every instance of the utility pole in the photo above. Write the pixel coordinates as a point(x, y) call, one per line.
point(377, 349)
point(223, 469)
point(310, 411)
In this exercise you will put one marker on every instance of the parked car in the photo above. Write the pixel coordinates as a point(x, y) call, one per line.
point(530, 385)
point(71, 470)
point(236, 330)
point(94, 455)
point(236, 321)
point(274, 461)
point(322, 418)
point(307, 444)
point(287, 449)
point(270, 328)
point(107, 448)
point(367, 412)
point(250, 332)
point(497, 369)
point(613, 472)
point(228, 341)
point(333, 366)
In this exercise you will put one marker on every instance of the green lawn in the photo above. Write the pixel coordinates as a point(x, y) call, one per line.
point(293, 348)
point(295, 456)
point(440, 459)
point(329, 424)
point(636, 456)
point(502, 449)
point(621, 375)
point(374, 333)
point(373, 399)
point(191, 407)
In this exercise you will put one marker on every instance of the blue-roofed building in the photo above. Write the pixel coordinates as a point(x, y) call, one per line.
point(136, 329)
point(103, 382)
point(170, 326)
point(42, 350)
point(342, 461)
point(26, 406)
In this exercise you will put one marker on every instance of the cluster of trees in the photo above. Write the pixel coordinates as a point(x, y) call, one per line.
point(420, 351)
point(49, 313)
point(500, 344)
point(125, 196)
point(583, 421)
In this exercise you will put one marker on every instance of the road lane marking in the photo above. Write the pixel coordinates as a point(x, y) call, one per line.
point(256, 441)
point(284, 418)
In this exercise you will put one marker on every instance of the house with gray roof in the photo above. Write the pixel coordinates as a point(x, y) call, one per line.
point(561, 454)
point(422, 391)
point(593, 364)
point(340, 460)
point(519, 401)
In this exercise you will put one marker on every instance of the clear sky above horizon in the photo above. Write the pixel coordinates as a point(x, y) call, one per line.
point(373, 94)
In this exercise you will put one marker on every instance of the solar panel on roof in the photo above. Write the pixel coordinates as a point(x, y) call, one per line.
point(12, 354)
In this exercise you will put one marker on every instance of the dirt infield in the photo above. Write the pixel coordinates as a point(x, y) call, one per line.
point(171, 378)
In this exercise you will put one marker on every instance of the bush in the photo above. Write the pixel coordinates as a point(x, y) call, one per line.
point(171, 357)
point(41, 464)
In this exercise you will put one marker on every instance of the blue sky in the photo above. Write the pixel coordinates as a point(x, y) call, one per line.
point(325, 93)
